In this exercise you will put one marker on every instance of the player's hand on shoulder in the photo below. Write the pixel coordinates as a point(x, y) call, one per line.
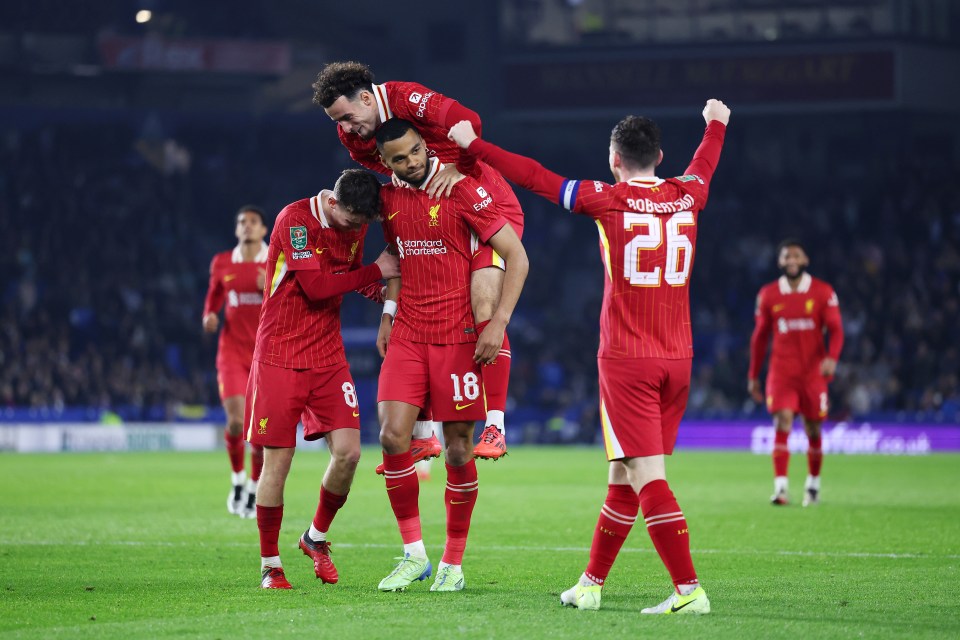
point(716, 110)
point(462, 133)
point(442, 183)
point(389, 264)
point(211, 322)
point(397, 182)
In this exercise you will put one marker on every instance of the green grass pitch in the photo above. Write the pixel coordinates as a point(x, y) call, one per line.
point(139, 545)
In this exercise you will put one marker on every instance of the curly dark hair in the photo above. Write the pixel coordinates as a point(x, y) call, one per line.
point(255, 210)
point(341, 79)
point(637, 139)
point(359, 192)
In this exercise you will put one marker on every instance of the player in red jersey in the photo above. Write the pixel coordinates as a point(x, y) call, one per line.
point(350, 97)
point(300, 371)
point(797, 309)
point(436, 347)
point(236, 279)
point(648, 230)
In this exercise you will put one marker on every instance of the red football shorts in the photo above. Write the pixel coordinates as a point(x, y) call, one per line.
point(324, 398)
point(641, 403)
point(804, 395)
point(441, 379)
point(232, 377)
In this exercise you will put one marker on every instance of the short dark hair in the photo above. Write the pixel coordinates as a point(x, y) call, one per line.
point(790, 242)
point(341, 79)
point(637, 140)
point(394, 129)
point(254, 209)
point(359, 192)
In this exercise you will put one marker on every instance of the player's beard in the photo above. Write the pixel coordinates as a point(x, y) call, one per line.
point(800, 271)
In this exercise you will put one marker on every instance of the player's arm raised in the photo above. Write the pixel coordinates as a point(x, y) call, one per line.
point(213, 302)
point(508, 245)
point(450, 114)
point(758, 348)
point(704, 163)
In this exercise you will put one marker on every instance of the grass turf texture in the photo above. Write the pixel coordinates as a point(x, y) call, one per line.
point(140, 545)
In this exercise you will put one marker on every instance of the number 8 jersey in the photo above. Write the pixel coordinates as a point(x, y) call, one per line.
point(648, 233)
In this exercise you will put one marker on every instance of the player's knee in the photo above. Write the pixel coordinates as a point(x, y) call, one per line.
point(235, 427)
point(392, 441)
point(347, 458)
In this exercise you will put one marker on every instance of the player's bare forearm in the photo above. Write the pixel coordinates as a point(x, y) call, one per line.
point(508, 245)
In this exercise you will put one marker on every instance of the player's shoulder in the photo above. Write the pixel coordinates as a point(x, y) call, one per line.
point(220, 259)
point(470, 191)
point(771, 289)
point(295, 210)
point(412, 91)
point(822, 288)
point(687, 180)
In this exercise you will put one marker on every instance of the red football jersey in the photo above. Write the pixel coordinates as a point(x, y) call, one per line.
point(436, 240)
point(428, 109)
point(234, 282)
point(294, 332)
point(648, 231)
point(797, 320)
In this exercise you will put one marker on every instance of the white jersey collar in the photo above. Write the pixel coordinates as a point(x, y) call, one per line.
point(647, 182)
point(237, 255)
point(316, 207)
point(804, 286)
point(383, 102)
point(435, 167)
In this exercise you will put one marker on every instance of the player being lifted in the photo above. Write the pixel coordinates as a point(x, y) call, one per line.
point(300, 371)
point(797, 309)
point(236, 279)
point(350, 97)
point(436, 347)
point(648, 230)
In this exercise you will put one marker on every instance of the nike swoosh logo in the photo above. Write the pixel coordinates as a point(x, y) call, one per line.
point(460, 407)
point(319, 251)
point(230, 277)
point(393, 215)
point(394, 487)
point(675, 609)
point(462, 502)
point(356, 414)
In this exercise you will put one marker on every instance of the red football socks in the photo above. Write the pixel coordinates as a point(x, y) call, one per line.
point(496, 376)
point(815, 457)
point(781, 454)
point(268, 522)
point(668, 531)
point(234, 450)
point(617, 516)
point(256, 461)
point(460, 498)
point(403, 490)
point(327, 508)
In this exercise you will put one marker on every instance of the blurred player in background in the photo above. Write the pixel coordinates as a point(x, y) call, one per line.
point(797, 309)
point(349, 96)
point(648, 230)
point(236, 279)
point(436, 347)
point(300, 370)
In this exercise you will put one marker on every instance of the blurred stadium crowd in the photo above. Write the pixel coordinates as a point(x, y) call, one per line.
point(109, 230)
